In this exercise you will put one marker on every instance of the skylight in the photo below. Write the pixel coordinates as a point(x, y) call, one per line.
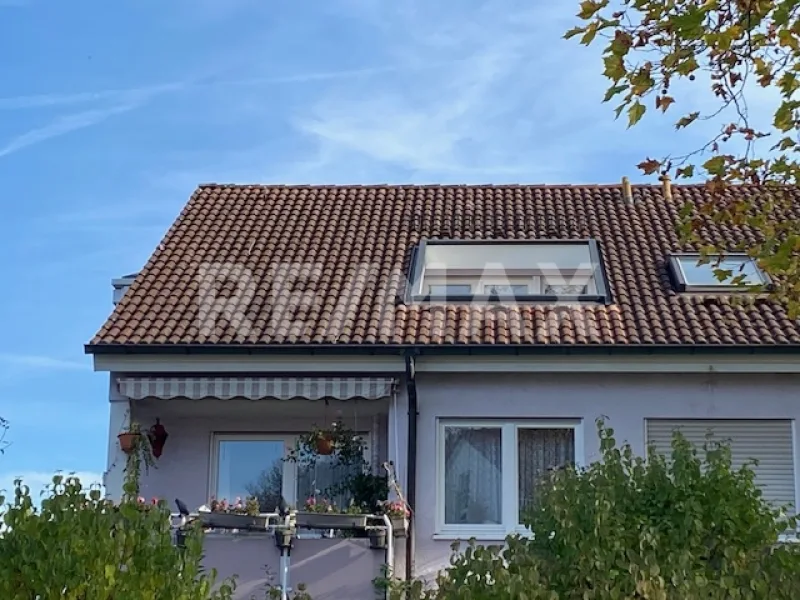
point(526, 270)
point(736, 272)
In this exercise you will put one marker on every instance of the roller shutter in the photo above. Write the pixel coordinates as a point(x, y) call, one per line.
point(768, 441)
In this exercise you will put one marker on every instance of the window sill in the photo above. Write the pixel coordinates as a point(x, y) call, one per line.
point(486, 534)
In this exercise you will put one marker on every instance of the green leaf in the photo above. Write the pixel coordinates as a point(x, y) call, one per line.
point(573, 32)
point(614, 67)
point(784, 116)
point(635, 113)
point(590, 33)
point(613, 91)
point(715, 165)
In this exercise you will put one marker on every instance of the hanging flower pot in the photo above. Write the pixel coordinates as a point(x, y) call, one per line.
point(158, 437)
point(128, 441)
point(325, 445)
point(377, 539)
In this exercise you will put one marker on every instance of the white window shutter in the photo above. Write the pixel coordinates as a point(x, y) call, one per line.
point(770, 442)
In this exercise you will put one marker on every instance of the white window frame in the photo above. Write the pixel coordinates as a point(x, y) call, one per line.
point(679, 262)
point(510, 480)
point(290, 478)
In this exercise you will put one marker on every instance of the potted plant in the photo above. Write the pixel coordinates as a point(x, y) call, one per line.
point(377, 538)
point(137, 446)
point(130, 438)
point(338, 441)
point(398, 514)
point(233, 515)
point(320, 513)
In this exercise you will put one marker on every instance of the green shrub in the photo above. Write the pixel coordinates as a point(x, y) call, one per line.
point(78, 546)
point(684, 527)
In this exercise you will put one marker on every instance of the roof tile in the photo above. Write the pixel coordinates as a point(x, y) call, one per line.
point(346, 250)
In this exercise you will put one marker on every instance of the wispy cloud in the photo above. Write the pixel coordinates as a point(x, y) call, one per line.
point(62, 125)
point(60, 99)
point(466, 121)
point(42, 362)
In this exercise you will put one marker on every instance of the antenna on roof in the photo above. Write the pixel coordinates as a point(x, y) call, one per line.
point(627, 193)
point(666, 186)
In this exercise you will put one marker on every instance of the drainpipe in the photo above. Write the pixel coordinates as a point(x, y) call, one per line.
point(411, 462)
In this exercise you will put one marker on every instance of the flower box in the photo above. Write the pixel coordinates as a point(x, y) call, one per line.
point(399, 527)
point(326, 520)
point(222, 520)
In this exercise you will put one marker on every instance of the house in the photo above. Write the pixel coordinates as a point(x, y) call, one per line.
point(473, 334)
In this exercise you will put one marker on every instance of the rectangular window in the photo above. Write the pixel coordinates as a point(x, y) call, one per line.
point(565, 290)
point(769, 442)
point(514, 289)
point(520, 270)
point(250, 467)
point(245, 465)
point(450, 290)
point(489, 472)
point(732, 272)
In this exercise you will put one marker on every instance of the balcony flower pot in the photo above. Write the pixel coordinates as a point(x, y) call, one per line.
point(399, 528)
point(283, 538)
point(377, 539)
point(128, 441)
point(330, 520)
point(226, 520)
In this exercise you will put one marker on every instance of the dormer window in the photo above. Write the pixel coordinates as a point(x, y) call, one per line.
point(467, 271)
point(733, 273)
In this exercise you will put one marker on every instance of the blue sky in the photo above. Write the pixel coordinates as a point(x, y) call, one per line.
point(112, 112)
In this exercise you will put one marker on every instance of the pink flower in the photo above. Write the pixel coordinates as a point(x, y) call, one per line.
point(311, 501)
point(140, 500)
point(154, 501)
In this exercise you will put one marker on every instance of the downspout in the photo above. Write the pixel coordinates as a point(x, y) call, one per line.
point(411, 462)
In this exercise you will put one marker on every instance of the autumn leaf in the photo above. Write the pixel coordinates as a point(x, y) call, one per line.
point(589, 34)
point(663, 102)
point(687, 120)
point(649, 166)
point(685, 172)
point(589, 8)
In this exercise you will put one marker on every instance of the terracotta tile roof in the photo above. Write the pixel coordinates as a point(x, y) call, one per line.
point(347, 251)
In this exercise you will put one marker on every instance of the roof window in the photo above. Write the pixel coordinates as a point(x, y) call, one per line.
point(518, 270)
point(731, 273)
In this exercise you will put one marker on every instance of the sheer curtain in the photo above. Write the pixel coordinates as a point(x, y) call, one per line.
point(473, 475)
point(541, 450)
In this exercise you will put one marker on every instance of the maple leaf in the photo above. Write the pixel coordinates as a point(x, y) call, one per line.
point(649, 166)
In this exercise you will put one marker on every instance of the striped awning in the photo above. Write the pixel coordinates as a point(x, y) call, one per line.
point(255, 388)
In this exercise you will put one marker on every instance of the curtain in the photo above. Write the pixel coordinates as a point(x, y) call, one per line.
point(473, 475)
point(540, 451)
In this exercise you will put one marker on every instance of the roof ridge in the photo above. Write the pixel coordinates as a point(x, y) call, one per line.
point(435, 185)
